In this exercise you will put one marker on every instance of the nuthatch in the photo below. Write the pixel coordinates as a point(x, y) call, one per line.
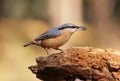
point(55, 37)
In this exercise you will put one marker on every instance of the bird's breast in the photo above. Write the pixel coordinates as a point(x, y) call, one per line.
point(57, 41)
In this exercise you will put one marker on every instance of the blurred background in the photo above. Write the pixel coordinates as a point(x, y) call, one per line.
point(23, 20)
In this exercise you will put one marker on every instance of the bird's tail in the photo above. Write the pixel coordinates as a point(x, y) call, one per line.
point(29, 43)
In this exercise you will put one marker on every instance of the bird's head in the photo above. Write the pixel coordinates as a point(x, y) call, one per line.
point(71, 27)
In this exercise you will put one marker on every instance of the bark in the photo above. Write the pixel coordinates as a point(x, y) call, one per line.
point(79, 64)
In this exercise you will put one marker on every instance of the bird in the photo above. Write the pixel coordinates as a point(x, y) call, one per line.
point(56, 36)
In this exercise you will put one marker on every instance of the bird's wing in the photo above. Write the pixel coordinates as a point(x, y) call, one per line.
point(54, 32)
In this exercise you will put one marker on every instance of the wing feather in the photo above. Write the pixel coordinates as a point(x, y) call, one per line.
point(53, 32)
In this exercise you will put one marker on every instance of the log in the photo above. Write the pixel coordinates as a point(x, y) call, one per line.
point(79, 64)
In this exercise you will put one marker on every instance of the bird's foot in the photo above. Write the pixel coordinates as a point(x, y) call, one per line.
point(46, 51)
point(61, 51)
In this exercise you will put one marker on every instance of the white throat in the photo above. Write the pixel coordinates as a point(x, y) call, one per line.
point(71, 30)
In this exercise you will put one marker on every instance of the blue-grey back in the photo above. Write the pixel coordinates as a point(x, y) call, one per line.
point(51, 33)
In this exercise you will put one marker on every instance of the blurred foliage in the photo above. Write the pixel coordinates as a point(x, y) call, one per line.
point(23, 20)
point(23, 9)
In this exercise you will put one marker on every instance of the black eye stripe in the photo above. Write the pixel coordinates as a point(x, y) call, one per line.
point(67, 27)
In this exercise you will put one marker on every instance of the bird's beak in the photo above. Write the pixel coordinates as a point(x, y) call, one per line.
point(81, 28)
